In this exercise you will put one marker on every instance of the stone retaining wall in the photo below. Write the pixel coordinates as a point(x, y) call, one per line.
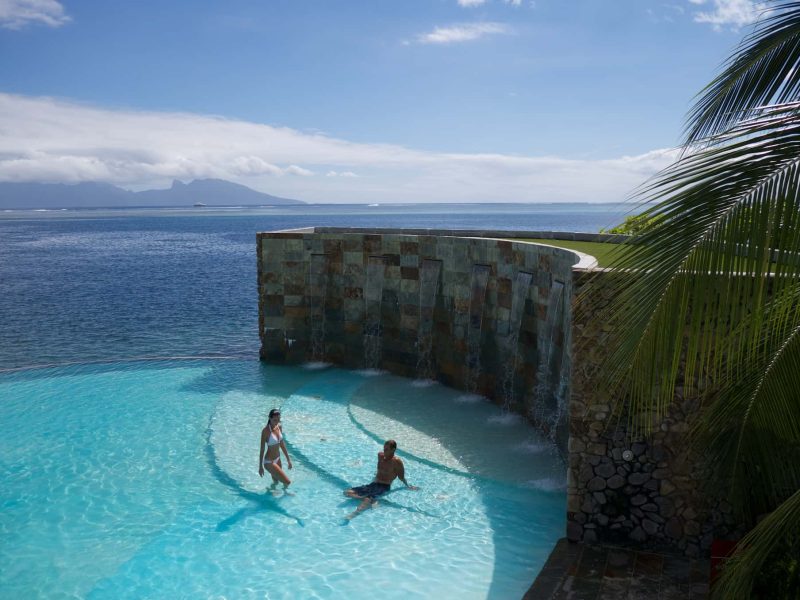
point(647, 492)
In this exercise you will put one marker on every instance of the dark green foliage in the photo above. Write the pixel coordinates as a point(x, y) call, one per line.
point(716, 302)
point(779, 578)
point(633, 224)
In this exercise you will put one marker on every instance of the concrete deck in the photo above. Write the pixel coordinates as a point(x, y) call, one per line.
point(589, 572)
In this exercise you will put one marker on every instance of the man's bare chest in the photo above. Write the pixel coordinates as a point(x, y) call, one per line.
point(386, 467)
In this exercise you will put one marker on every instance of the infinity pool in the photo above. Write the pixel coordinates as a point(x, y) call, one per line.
point(139, 480)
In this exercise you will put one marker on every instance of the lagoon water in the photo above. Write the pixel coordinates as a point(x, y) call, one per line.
point(127, 477)
point(80, 285)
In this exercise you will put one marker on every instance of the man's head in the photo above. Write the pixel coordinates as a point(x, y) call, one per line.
point(389, 446)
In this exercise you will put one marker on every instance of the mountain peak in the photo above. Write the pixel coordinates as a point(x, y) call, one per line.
point(215, 192)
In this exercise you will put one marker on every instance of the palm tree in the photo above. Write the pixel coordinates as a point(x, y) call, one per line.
point(711, 292)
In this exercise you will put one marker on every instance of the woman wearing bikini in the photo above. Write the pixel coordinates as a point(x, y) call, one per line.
point(272, 442)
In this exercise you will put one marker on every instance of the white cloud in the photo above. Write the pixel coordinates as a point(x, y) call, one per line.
point(667, 13)
point(15, 14)
point(57, 141)
point(295, 170)
point(735, 13)
point(465, 32)
point(469, 3)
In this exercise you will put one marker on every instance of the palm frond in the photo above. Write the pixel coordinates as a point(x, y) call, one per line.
point(726, 247)
point(751, 431)
point(763, 70)
point(708, 297)
point(781, 527)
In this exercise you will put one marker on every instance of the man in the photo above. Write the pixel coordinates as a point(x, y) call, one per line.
point(390, 467)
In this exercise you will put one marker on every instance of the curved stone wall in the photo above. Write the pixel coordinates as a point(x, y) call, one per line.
point(484, 315)
point(495, 317)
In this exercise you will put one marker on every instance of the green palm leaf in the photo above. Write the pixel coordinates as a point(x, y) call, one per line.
point(778, 529)
point(762, 71)
point(727, 234)
point(708, 296)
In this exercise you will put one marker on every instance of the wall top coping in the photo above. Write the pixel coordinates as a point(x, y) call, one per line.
point(583, 262)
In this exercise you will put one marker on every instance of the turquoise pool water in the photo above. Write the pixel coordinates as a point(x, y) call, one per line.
point(139, 480)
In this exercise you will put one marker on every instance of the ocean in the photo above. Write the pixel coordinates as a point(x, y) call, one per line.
point(111, 284)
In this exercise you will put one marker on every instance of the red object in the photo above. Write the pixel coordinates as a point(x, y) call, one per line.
point(721, 550)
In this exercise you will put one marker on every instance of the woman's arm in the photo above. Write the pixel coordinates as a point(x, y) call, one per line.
point(261, 452)
point(285, 451)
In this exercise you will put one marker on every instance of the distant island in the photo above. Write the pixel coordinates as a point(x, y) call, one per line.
point(200, 192)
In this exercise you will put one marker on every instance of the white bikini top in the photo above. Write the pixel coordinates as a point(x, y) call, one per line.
point(274, 439)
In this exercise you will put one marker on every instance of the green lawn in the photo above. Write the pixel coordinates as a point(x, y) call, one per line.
point(599, 250)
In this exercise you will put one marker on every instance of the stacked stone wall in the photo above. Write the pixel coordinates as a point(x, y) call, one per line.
point(647, 492)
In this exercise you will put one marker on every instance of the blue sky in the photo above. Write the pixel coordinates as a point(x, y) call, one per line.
point(359, 101)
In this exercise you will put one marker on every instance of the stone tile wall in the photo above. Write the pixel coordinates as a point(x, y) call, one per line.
point(289, 308)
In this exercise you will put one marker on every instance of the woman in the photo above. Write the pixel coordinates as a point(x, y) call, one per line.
point(272, 440)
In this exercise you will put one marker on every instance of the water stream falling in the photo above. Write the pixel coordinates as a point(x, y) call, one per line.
point(550, 376)
point(480, 279)
point(547, 405)
point(561, 389)
point(373, 296)
point(428, 289)
point(519, 292)
point(317, 294)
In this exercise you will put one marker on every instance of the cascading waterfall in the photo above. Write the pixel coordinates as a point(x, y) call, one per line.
point(551, 376)
point(519, 292)
point(428, 289)
point(373, 295)
point(317, 294)
point(561, 391)
point(480, 279)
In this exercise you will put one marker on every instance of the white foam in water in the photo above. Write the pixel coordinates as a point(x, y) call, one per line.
point(316, 365)
point(532, 447)
point(370, 372)
point(547, 484)
point(423, 383)
point(504, 419)
point(306, 397)
point(469, 398)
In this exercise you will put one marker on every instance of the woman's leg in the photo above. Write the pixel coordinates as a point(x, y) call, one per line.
point(278, 474)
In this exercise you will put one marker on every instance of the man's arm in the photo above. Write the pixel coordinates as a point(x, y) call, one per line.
point(400, 471)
